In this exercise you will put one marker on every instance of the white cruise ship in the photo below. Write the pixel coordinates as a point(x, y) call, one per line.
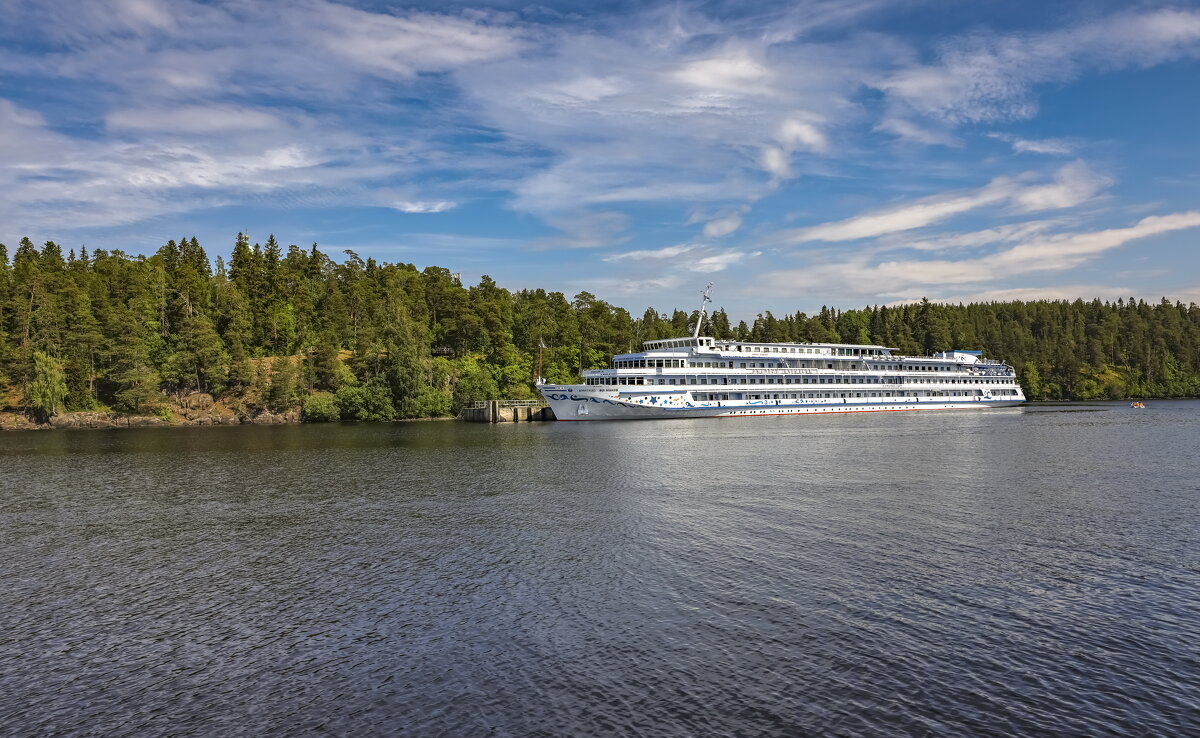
point(701, 377)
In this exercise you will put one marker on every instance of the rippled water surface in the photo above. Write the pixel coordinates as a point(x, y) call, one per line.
point(1023, 571)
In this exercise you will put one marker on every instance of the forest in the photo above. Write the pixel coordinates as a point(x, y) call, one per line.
point(282, 329)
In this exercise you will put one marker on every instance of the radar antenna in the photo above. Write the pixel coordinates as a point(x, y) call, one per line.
point(700, 315)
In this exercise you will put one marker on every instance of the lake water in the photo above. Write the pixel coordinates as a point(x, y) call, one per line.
point(1024, 571)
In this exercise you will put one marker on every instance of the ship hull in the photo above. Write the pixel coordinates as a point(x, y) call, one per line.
point(582, 403)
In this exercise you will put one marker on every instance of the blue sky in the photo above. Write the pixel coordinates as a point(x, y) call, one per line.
point(840, 152)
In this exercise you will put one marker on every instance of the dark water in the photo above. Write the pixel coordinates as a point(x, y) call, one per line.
point(1027, 571)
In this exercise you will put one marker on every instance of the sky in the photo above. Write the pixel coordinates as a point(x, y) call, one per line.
point(799, 154)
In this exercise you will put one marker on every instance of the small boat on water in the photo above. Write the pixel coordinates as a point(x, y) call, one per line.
point(1138, 405)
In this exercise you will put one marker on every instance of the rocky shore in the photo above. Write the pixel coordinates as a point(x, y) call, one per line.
point(193, 410)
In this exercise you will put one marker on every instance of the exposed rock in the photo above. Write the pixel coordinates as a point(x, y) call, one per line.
point(17, 421)
point(146, 421)
point(270, 418)
point(86, 420)
point(197, 401)
point(202, 411)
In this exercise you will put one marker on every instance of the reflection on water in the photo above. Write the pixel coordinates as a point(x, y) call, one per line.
point(1016, 571)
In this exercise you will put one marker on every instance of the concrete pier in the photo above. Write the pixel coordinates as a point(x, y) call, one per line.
point(505, 411)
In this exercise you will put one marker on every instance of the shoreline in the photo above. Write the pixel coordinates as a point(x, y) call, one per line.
point(98, 420)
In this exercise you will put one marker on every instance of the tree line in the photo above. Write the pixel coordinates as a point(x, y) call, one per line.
point(278, 329)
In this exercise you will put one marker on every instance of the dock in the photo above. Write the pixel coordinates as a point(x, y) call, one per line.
point(506, 411)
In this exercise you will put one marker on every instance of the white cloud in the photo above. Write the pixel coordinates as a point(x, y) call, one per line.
point(776, 162)
point(990, 76)
point(175, 84)
point(797, 134)
point(423, 206)
point(718, 262)
point(673, 107)
point(1051, 146)
point(910, 131)
point(1047, 146)
point(735, 72)
point(689, 257)
point(1043, 253)
point(407, 44)
point(56, 182)
point(643, 255)
point(1050, 292)
point(1074, 184)
point(905, 217)
point(631, 286)
point(193, 119)
point(1009, 233)
point(719, 227)
point(1067, 250)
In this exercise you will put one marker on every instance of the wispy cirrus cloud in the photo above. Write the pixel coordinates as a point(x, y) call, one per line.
point(926, 134)
point(697, 258)
point(1047, 292)
point(198, 105)
point(1001, 234)
point(193, 119)
point(1042, 253)
point(990, 76)
point(1072, 185)
point(423, 206)
point(668, 252)
point(1047, 146)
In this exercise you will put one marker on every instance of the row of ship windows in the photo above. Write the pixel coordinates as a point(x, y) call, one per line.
point(801, 350)
point(719, 396)
point(788, 380)
point(683, 363)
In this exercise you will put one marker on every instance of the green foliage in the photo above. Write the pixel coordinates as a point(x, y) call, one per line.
point(282, 395)
point(79, 390)
point(48, 390)
point(276, 325)
point(320, 407)
point(434, 402)
point(475, 383)
point(370, 402)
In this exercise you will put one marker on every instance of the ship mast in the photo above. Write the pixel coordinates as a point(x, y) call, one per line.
point(700, 315)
